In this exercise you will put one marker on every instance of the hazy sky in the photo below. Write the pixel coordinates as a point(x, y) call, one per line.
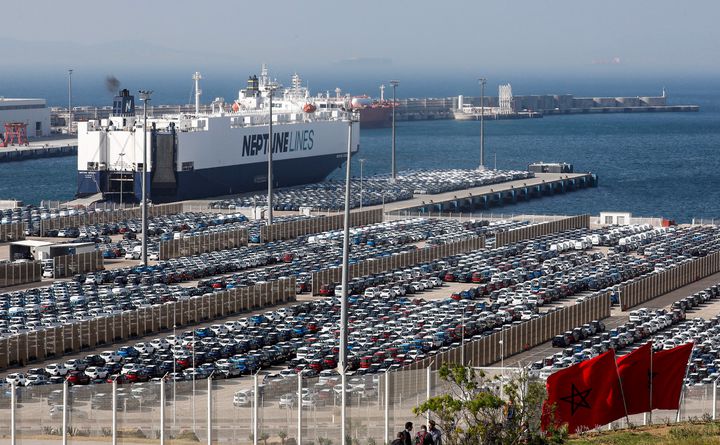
point(421, 39)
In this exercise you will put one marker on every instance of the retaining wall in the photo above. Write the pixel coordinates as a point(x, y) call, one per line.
point(11, 232)
point(15, 274)
point(646, 288)
point(305, 226)
point(69, 265)
point(112, 216)
point(19, 350)
point(401, 260)
point(546, 228)
point(520, 336)
point(209, 242)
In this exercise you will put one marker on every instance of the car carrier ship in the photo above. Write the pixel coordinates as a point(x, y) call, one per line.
point(223, 152)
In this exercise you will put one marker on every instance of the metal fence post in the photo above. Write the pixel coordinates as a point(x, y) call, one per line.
point(65, 413)
point(162, 411)
point(114, 412)
point(299, 409)
point(387, 406)
point(209, 410)
point(428, 389)
point(255, 409)
point(13, 402)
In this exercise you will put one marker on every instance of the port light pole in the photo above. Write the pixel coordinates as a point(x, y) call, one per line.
point(362, 162)
point(482, 81)
point(342, 362)
point(393, 175)
point(145, 97)
point(271, 90)
point(69, 122)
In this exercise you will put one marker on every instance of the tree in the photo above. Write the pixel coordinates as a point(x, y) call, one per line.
point(264, 437)
point(282, 435)
point(478, 409)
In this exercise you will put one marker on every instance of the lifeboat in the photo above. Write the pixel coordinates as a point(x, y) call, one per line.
point(235, 107)
point(309, 108)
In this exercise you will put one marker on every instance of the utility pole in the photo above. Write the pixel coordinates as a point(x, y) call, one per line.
point(362, 162)
point(69, 123)
point(482, 81)
point(145, 97)
point(393, 175)
point(271, 89)
point(342, 362)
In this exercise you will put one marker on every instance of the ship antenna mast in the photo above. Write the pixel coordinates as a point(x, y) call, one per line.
point(198, 92)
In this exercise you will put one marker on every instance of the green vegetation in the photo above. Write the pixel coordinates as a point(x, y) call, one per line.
point(478, 409)
point(681, 434)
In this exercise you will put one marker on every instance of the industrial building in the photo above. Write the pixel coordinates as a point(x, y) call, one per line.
point(33, 114)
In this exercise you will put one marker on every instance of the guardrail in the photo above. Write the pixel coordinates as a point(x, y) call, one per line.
point(69, 265)
point(18, 350)
point(646, 288)
point(546, 228)
point(15, 274)
point(522, 336)
point(102, 217)
point(400, 260)
point(305, 226)
point(12, 232)
point(208, 242)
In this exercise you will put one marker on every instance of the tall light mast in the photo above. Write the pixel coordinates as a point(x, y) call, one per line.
point(198, 92)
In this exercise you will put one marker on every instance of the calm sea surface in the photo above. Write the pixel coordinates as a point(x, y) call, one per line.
point(662, 164)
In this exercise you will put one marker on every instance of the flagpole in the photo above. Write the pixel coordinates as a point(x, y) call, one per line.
point(682, 389)
point(622, 391)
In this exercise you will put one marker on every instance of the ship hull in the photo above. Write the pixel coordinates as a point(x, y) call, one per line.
point(219, 181)
point(378, 117)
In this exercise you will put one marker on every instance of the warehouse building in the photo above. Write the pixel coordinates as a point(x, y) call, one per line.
point(32, 112)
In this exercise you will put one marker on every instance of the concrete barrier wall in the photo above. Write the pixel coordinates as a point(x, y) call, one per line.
point(209, 242)
point(22, 349)
point(521, 336)
point(400, 260)
point(15, 274)
point(293, 229)
point(546, 228)
point(12, 232)
point(69, 265)
point(112, 216)
point(646, 288)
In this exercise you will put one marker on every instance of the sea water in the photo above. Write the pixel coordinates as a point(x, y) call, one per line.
point(650, 164)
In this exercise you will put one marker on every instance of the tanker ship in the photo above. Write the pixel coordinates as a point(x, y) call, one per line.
point(222, 152)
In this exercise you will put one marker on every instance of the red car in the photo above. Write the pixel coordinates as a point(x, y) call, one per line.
point(77, 378)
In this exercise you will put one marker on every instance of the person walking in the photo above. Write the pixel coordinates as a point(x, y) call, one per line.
point(399, 439)
point(407, 434)
point(435, 433)
point(423, 437)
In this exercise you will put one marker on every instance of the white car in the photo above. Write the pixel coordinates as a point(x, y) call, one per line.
point(56, 369)
point(144, 348)
point(110, 356)
point(160, 343)
point(17, 377)
point(96, 372)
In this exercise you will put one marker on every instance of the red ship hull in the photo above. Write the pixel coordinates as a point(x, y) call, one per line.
point(375, 117)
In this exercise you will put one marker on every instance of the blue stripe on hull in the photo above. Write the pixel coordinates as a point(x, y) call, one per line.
point(228, 180)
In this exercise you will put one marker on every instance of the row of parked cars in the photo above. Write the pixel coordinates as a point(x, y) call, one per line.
point(390, 329)
point(374, 190)
point(666, 328)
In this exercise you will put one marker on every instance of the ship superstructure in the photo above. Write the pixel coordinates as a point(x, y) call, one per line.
point(199, 155)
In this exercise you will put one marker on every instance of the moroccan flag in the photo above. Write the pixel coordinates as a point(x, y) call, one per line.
point(584, 395)
point(669, 368)
point(635, 372)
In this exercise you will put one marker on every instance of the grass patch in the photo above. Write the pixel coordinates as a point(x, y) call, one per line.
point(680, 434)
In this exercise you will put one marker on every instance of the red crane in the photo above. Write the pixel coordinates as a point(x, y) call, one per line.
point(15, 133)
